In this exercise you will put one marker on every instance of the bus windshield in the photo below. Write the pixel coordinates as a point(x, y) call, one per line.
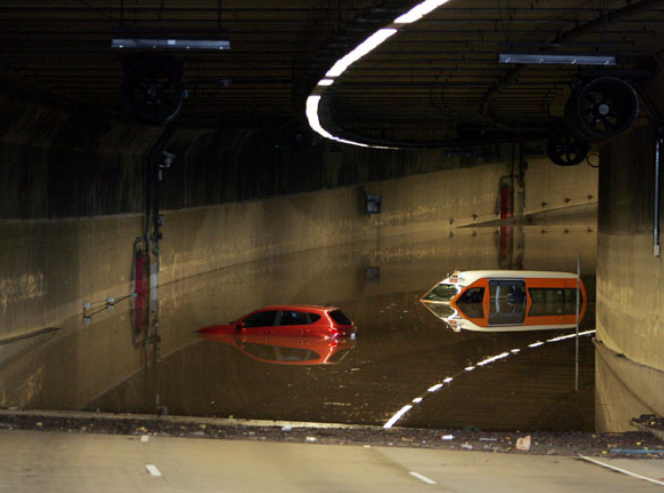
point(442, 293)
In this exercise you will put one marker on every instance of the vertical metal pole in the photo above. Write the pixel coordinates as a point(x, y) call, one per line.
point(578, 310)
point(658, 145)
point(148, 202)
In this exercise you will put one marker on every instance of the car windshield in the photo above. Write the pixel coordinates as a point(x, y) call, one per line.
point(442, 292)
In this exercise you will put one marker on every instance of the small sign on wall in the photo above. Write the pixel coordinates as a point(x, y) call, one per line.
point(373, 204)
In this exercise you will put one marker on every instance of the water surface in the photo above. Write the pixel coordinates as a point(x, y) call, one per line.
point(397, 371)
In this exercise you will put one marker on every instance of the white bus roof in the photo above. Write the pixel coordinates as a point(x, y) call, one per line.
point(465, 278)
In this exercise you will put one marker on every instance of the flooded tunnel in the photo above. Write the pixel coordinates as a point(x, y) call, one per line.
point(149, 192)
point(140, 352)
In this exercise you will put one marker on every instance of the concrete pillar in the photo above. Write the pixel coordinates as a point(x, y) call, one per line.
point(630, 300)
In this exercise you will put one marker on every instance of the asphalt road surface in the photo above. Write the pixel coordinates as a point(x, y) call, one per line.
point(33, 461)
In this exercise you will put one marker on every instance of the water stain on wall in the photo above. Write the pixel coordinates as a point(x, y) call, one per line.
point(22, 288)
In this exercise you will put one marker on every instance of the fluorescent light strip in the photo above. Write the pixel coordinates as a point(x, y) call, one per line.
point(313, 102)
point(367, 46)
point(364, 48)
point(419, 11)
point(312, 115)
point(436, 387)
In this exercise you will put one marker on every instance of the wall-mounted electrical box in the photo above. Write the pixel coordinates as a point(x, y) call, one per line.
point(374, 204)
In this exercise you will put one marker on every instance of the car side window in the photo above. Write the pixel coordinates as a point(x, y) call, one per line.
point(260, 319)
point(289, 317)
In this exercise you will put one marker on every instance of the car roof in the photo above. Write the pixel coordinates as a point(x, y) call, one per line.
point(300, 307)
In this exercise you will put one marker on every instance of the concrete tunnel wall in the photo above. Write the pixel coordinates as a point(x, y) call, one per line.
point(630, 299)
point(73, 192)
point(105, 364)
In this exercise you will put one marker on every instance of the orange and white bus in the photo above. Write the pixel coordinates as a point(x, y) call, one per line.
point(501, 300)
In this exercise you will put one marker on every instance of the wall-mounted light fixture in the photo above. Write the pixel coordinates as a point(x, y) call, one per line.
point(419, 11)
point(367, 46)
point(126, 37)
point(170, 44)
point(538, 58)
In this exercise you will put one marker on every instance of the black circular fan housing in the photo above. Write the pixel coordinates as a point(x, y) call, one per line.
point(152, 90)
point(602, 109)
point(566, 149)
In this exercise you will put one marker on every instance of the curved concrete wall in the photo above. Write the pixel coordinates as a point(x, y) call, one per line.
point(61, 164)
point(630, 300)
point(75, 191)
point(50, 267)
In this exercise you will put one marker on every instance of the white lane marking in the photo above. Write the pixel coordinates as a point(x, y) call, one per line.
point(422, 478)
point(145, 438)
point(624, 471)
point(153, 470)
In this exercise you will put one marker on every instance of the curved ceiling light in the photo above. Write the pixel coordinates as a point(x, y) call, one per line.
point(364, 48)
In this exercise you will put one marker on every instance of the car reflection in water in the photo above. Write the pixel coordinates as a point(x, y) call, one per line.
point(504, 301)
point(289, 335)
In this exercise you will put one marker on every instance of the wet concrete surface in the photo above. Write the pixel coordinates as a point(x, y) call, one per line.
point(402, 350)
point(47, 461)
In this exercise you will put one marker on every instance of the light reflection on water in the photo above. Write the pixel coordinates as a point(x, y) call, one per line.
point(401, 352)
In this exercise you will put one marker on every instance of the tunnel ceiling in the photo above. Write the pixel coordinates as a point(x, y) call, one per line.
point(436, 82)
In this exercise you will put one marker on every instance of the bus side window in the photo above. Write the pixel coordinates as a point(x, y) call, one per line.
point(472, 295)
point(509, 291)
point(554, 295)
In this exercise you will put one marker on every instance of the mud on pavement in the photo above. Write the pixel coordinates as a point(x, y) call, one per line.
point(638, 444)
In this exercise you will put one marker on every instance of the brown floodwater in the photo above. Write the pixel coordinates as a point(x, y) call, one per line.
point(406, 367)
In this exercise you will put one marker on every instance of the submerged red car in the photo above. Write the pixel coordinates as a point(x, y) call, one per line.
point(291, 320)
